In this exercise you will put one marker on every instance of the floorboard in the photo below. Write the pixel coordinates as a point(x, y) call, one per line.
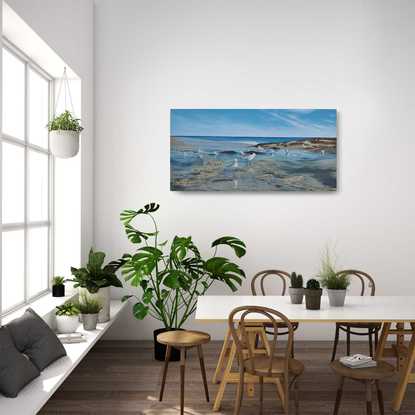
point(121, 377)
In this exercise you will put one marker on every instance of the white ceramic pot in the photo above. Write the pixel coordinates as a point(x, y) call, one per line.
point(64, 144)
point(103, 296)
point(336, 297)
point(67, 324)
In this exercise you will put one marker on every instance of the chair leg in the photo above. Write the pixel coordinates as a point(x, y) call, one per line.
point(202, 368)
point(370, 343)
point(348, 341)
point(368, 397)
point(166, 365)
point(376, 339)
point(239, 390)
point(182, 369)
point(292, 349)
point(297, 397)
point(339, 396)
point(261, 394)
point(380, 398)
point(336, 342)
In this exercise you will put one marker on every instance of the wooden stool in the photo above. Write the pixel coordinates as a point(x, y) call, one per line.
point(183, 340)
point(368, 376)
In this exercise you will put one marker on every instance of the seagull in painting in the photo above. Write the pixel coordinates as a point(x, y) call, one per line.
point(235, 164)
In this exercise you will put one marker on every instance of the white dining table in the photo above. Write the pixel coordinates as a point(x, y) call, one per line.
point(384, 309)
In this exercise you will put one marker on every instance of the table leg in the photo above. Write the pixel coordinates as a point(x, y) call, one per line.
point(222, 357)
point(405, 375)
point(382, 341)
point(400, 340)
point(182, 369)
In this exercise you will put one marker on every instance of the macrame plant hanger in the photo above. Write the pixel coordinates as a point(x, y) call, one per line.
point(67, 94)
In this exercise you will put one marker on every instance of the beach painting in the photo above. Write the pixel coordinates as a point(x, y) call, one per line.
point(253, 150)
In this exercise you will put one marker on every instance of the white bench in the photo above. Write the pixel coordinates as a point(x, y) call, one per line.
point(34, 395)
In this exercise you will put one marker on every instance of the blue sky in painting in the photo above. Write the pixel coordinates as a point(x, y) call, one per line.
point(254, 122)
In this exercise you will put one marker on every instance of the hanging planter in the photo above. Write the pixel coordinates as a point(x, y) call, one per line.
point(64, 129)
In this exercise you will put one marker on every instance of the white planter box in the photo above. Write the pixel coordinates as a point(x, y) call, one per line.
point(67, 324)
point(64, 144)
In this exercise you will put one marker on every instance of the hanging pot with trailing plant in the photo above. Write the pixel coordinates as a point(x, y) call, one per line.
point(170, 277)
point(64, 129)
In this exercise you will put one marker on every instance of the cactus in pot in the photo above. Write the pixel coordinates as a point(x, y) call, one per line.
point(313, 294)
point(296, 288)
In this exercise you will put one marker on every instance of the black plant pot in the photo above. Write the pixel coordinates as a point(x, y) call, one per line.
point(58, 290)
point(160, 349)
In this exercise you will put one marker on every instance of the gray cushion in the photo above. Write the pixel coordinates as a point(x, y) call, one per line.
point(16, 370)
point(33, 337)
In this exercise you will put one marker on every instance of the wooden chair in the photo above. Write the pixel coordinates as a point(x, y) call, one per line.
point(183, 340)
point(370, 329)
point(282, 366)
point(283, 276)
point(368, 376)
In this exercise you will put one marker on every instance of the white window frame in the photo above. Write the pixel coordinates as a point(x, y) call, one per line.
point(26, 145)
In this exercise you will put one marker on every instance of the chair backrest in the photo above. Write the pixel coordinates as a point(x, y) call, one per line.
point(240, 322)
point(262, 275)
point(364, 279)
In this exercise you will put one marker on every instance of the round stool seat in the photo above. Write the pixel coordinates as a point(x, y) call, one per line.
point(183, 338)
point(381, 371)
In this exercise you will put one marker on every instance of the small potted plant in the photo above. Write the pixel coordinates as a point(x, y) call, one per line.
point(67, 317)
point(335, 283)
point(313, 294)
point(89, 309)
point(64, 132)
point(58, 287)
point(296, 289)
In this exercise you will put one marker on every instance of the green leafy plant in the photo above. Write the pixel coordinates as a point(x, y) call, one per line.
point(95, 275)
point(58, 280)
point(296, 280)
point(328, 275)
point(171, 277)
point(65, 121)
point(67, 309)
point(88, 305)
point(313, 284)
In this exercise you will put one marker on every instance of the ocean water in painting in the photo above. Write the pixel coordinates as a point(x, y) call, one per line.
point(253, 150)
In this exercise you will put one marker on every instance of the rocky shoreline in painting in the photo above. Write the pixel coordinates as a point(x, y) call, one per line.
point(250, 163)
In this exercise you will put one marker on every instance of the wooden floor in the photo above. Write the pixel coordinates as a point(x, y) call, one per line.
point(122, 378)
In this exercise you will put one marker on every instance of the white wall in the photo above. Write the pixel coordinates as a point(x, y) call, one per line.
point(351, 55)
point(67, 27)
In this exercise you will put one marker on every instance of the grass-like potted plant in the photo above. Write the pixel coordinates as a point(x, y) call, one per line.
point(172, 276)
point(95, 279)
point(58, 286)
point(64, 131)
point(89, 309)
point(336, 284)
point(313, 294)
point(296, 289)
point(67, 317)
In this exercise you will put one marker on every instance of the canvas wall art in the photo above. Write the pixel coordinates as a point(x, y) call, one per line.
point(253, 150)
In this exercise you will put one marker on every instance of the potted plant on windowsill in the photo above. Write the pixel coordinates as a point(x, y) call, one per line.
point(336, 284)
point(89, 309)
point(67, 317)
point(313, 294)
point(58, 287)
point(94, 280)
point(171, 277)
point(64, 131)
point(296, 290)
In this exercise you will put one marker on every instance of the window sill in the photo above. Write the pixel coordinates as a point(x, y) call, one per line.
point(43, 306)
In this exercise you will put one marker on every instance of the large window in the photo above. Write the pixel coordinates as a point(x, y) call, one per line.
point(26, 260)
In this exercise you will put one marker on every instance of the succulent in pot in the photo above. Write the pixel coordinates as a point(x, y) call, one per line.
point(64, 131)
point(67, 317)
point(58, 286)
point(170, 276)
point(89, 309)
point(313, 294)
point(95, 279)
point(296, 288)
point(335, 283)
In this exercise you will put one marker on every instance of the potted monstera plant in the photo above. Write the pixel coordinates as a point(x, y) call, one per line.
point(95, 279)
point(64, 131)
point(170, 276)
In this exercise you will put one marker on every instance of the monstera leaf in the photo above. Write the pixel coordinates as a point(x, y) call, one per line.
point(236, 244)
